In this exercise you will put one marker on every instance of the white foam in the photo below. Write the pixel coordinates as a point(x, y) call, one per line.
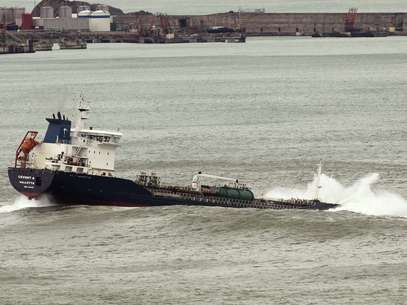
point(23, 202)
point(360, 197)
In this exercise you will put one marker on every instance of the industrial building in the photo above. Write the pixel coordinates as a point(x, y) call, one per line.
point(64, 22)
point(11, 15)
point(85, 20)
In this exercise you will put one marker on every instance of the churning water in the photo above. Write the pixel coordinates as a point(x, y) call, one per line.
point(360, 197)
point(23, 202)
point(265, 112)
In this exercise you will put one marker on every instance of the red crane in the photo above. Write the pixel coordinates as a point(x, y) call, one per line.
point(165, 24)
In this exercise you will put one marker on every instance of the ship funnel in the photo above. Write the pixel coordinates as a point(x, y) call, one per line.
point(58, 130)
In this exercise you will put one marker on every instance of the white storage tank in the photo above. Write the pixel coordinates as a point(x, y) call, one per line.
point(65, 12)
point(99, 21)
point(47, 12)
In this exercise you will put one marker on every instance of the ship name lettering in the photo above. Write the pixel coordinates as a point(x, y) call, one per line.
point(27, 182)
point(25, 177)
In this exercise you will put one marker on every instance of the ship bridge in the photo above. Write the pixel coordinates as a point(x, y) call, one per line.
point(79, 150)
point(101, 137)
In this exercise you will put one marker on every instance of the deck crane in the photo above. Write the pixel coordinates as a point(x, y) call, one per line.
point(196, 180)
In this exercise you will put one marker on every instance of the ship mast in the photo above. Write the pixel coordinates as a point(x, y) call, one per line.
point(83, 109)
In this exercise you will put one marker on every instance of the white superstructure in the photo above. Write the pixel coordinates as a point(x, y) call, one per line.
point(83, 150)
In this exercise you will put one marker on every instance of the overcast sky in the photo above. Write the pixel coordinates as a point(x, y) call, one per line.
point(210, 6)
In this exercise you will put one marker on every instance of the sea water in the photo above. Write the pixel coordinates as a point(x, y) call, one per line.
point(265, 112)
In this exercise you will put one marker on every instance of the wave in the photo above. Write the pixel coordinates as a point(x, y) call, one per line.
point(360, 197)
point(23, 202)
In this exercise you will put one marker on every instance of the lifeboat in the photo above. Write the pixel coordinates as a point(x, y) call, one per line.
point(28, 145)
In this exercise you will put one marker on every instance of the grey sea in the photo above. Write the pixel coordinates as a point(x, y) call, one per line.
point(265, 112)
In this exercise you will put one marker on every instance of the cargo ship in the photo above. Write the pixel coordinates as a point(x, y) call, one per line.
point(75, 165)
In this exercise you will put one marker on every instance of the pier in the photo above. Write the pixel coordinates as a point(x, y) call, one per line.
point(11, 43)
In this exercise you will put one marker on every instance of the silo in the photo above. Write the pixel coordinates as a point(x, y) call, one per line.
point(47, 12)
point(65, 12)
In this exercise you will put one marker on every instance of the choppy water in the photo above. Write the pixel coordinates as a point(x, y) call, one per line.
point(265, 112)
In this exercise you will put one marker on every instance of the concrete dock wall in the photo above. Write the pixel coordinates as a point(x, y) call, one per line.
point(267, 23)
point(311, 23)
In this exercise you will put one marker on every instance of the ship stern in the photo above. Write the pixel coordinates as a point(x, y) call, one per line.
point(30, 182)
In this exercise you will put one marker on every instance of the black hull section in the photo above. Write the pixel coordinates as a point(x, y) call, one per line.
point(83, 189)
point(74, 189)
point(31, 182)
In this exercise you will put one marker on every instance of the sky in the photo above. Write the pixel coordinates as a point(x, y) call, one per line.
point(213, 6)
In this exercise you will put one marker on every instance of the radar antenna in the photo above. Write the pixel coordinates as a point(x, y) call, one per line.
point(83, 109)
point(83, 105)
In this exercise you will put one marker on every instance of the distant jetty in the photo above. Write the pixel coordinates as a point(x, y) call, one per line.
point(11, 44)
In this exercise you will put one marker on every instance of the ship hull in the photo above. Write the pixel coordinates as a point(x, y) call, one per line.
point(82, 189)
point(73, 189)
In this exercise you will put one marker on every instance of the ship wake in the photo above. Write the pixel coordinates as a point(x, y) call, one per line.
point(23, 202)
point(360, 197)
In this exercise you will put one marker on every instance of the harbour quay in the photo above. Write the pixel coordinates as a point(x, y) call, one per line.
point(74, 24)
